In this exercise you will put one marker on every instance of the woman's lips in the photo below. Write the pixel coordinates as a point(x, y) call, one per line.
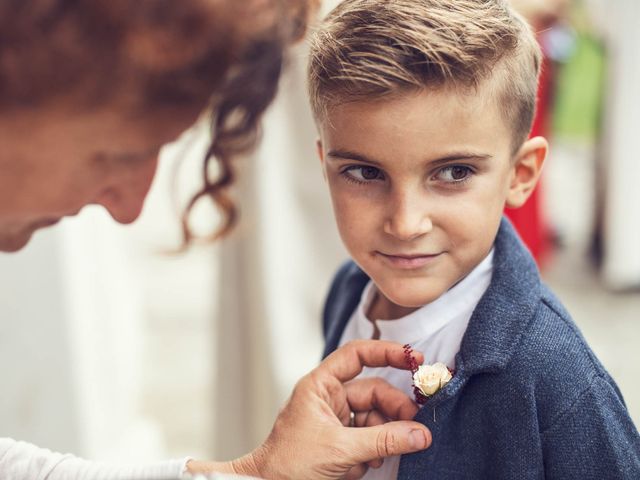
point(409, 262)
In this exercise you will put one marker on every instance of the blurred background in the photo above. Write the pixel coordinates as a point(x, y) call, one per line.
point(112, 347)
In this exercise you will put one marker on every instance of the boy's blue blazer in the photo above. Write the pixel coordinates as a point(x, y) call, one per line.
point(529, 399)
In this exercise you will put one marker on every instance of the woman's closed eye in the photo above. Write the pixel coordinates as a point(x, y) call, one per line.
point(454, 174)
point(362, 173)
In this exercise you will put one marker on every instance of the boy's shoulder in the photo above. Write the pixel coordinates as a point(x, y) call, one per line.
point(554, 341)
point(553, 345)
point(521, 331)
point(554, 364)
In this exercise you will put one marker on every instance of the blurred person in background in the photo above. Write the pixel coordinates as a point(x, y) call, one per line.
point(89, 92)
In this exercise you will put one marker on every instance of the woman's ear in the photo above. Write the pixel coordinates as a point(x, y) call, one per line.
point(526, 170)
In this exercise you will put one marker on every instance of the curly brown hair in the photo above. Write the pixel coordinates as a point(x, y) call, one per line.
point(223, 53)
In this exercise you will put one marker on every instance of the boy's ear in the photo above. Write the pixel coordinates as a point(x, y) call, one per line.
point(526, 170)
point(319, 150)
point(321, 157)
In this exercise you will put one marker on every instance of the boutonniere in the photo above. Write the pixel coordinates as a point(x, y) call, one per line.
point(427, 379)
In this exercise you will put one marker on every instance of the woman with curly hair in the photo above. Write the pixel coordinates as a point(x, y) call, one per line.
point(89, 91)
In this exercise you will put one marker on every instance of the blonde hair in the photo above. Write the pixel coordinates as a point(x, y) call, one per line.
point(369, 49)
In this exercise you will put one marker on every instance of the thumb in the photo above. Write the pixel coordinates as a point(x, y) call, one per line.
point(390, 439)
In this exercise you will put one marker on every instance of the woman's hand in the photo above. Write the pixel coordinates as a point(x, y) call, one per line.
point(311, 438)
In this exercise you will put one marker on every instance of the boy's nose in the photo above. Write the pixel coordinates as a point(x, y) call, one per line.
point(124, 197)
point(408, 219)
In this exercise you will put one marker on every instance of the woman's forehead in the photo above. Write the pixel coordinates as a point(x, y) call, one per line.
point(59, 128)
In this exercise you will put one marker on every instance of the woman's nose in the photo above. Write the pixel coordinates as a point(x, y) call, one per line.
point(125, 195)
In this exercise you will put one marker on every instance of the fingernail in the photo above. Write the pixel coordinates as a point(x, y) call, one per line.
point(417, 439)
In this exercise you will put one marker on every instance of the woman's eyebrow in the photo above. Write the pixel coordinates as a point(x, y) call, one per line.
point(131, 156)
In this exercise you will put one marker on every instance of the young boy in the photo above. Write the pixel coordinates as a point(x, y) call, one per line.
point(424, 109)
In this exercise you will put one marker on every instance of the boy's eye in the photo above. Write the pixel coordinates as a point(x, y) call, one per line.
point(454, 174)
point(364, 174)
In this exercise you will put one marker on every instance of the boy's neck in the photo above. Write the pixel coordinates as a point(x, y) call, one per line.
point(384, 309)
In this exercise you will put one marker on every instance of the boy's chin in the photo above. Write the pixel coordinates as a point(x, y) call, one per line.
point(411, 297)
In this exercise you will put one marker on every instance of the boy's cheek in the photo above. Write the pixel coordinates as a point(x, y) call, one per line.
point(355, 207)
point(356, 225)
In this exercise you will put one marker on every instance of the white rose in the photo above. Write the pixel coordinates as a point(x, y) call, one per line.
point(431, 378)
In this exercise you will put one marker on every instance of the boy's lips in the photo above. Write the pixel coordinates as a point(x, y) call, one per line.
point(408, 261)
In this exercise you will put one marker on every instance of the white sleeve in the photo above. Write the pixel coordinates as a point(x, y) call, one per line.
point(23, 461)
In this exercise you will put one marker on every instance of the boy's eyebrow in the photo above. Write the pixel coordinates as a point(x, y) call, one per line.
point(452, 157)
point(348, 155)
